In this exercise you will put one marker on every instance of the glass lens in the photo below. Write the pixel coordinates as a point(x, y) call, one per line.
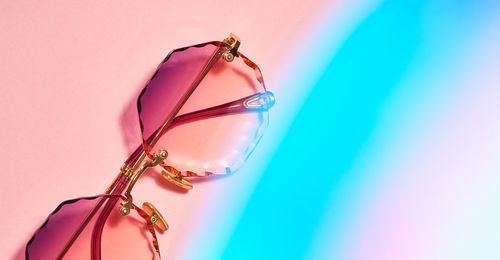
point(122, 237)
point(220, 133)
point(173, 79)
point(220, 142)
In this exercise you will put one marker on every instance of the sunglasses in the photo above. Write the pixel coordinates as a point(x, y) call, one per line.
point(201, 114)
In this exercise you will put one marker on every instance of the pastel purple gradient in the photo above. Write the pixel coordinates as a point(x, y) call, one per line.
point(169, 85)
point(197, 85)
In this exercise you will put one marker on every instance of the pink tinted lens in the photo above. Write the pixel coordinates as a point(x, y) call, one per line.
point(172, 81)
point(130, 234)
point(128, 237)
point(221, 142)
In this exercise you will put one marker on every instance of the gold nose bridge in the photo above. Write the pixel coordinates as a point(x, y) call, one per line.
point(170, 175)
point(127, 205)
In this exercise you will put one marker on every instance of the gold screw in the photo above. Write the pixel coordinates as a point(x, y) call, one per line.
point(163, 154)
point(124, 211)
point(229, 57)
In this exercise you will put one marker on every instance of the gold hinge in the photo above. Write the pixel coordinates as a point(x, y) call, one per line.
point(234, 41)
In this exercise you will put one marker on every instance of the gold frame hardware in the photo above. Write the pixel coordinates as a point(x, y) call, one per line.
point(234, 41)
point(127, 205)
point(177, 180)
point(155, 216)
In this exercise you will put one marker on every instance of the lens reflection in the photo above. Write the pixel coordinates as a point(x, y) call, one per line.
point(122, 238)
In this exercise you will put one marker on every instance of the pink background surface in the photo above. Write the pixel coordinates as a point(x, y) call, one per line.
point(422, 179)
point(71, 72)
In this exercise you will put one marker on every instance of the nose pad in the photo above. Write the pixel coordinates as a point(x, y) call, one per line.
point(177, 180)
point(155, 216)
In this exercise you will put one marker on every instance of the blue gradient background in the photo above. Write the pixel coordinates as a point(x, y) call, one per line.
point(393, 152)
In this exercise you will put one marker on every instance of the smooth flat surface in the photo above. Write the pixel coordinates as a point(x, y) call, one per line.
point(383, 144)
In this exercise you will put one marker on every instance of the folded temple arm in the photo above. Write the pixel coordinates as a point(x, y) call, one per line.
point(253, 103)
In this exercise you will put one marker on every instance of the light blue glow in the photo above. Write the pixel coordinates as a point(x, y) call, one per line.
point(310, 173)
